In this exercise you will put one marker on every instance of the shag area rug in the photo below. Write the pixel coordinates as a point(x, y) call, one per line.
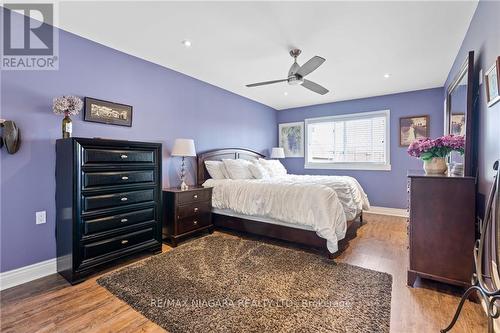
point(224, 283)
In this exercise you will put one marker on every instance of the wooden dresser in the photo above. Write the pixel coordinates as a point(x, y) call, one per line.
point(441, 228)
point(186, 212)
point(108, 202)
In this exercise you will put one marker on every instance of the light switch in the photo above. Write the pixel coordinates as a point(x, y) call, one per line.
point(41, 217)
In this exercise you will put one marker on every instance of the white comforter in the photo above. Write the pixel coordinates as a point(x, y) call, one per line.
point(323, 203)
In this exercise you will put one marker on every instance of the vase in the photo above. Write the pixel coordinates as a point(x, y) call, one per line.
point(67, 126)
point(435, 166)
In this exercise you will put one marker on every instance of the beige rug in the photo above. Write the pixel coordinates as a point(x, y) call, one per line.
point(223, 283)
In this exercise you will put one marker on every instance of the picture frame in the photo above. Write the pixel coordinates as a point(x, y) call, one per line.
point(291, 138)
point(492, 83)
point(412, 128)
point(106, 112)
point(458, 124)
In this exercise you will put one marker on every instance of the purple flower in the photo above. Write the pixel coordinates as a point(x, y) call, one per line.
point(426, 148)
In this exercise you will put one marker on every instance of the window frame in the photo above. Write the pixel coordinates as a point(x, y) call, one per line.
point(386, 166)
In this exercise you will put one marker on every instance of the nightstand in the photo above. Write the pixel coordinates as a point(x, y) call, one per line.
point(186, 212)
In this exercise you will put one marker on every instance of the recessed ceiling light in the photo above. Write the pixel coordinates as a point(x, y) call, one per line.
point(285, 93)
point(387, 75)
point(186, 43)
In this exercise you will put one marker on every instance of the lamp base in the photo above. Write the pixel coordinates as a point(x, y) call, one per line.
point(183, 186)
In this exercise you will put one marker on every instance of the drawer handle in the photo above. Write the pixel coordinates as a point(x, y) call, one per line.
point(124, 199)
point(124, 178)
point(195, 209)
point(124, 241)
point(195, 222)
point(123, 220)
point(195, 196)
point(123, 156)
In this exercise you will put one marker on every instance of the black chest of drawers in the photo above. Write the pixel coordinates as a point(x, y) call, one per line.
point(108, 202)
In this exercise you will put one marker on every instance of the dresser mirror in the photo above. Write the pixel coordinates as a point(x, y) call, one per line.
point(459, 116)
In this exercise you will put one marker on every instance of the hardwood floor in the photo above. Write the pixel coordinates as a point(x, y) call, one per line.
point(50, 304)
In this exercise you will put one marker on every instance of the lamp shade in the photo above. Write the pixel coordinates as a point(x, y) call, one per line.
point(277, 153)
point(183, 147)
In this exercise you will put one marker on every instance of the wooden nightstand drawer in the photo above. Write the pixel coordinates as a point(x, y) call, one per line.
point(193, 209)
point(192, 223)
point(193, 196)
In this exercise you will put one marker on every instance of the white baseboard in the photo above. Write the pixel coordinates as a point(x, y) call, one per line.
point(27, 273)
point(388, 211)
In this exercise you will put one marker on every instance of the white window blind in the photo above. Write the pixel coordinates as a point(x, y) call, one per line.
point(354, 141)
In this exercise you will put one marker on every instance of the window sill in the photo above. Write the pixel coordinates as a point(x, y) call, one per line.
point(348, 166)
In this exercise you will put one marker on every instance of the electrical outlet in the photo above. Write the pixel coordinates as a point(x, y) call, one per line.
point(41, 217)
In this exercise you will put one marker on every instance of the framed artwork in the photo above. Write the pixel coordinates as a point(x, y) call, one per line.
point(291, 138)
point(458, 124)
point(412, 128)
point(492, 83)
point(106, 112)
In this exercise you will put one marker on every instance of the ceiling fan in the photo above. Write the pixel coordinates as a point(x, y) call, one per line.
point(296, 74)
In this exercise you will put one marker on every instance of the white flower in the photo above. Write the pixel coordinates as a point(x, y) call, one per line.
point(70, 104)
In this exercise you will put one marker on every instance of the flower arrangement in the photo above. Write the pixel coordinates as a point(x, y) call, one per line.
point(67, 105)
point(427, 149)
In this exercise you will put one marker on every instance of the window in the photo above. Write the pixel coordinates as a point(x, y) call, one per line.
point(351, 141)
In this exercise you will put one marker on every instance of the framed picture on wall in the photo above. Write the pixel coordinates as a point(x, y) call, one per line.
point(291, 138)
point(492, 83)
point(106, 112)
point(413, 128)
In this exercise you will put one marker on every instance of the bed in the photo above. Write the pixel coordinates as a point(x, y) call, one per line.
point(322, 192)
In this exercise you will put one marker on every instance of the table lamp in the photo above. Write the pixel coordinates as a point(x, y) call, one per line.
point(183, 148)
point(277, 153)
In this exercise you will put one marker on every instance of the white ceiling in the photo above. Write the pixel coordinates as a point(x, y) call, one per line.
point(236, 43)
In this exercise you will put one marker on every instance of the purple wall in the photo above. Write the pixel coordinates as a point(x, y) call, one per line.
point(167, 105)
point(384, 188)
point(483, 37)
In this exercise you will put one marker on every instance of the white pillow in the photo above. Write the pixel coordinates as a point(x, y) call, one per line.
point(273, 167)
point(238, 169)
point(258, 171)
point(216, 169)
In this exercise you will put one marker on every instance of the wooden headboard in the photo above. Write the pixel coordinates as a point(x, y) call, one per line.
point(218, 155)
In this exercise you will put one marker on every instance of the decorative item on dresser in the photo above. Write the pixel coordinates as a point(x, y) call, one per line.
point(108, 202)
point(67, 105)
point(435, 152)
point(183, 148)
point(186, 212)
point(442, 228)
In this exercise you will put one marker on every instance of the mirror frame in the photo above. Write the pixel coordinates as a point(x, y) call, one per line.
point(466, 69)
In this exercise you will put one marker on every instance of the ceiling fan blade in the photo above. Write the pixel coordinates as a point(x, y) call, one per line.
point(266, 82)
point(310, 65)
point(314, 87)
